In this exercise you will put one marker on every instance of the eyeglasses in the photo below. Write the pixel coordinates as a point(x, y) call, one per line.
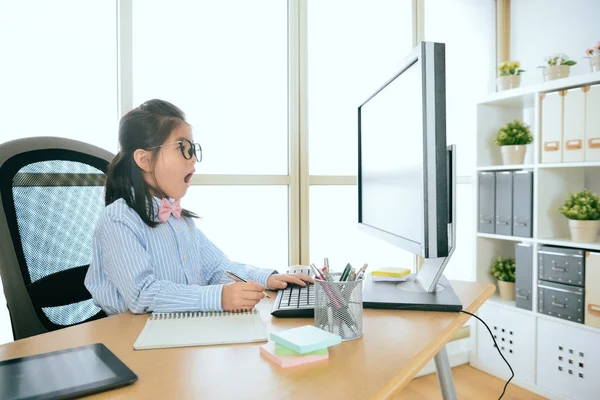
point(188, 149)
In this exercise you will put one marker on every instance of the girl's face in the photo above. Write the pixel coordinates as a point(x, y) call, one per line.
point(172, 172)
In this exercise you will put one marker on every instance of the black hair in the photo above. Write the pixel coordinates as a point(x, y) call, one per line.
point(146, 126)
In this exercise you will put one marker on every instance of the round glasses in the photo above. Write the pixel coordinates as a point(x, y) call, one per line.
point(188, 149)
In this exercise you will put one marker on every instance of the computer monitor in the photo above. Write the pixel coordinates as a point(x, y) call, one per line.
point(406, 179)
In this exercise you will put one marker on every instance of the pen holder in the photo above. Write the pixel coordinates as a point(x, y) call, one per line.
point(338, 307)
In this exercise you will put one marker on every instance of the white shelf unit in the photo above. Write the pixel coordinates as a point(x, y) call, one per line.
point(553, 357)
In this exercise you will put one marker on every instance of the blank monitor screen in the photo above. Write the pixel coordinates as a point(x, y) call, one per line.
point(392, 158)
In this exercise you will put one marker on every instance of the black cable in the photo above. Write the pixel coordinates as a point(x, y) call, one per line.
point(512, 374)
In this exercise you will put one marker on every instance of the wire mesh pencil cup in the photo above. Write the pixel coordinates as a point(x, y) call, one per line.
point(338, 307)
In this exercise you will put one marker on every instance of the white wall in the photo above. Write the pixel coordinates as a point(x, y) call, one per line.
point(540, 28)
point(467, 27)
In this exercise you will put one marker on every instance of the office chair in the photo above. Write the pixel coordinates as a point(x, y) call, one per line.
point(51, 195)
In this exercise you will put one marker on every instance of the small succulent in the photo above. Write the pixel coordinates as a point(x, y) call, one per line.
point(514, 133)
point(503, 269)
point(582, 206)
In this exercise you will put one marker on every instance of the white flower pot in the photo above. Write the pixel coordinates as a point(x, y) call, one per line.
point(508, 82)
point(556, 72)
point(584, 231)
point(512, 155)
point(507, 290)
point(595, 63)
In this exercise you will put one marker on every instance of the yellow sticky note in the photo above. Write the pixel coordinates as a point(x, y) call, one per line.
point(391, 271)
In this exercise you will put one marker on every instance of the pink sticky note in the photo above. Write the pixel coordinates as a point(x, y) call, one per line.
point(268, 351)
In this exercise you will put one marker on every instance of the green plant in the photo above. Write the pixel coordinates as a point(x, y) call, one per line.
point(582, 206)
point(503, 269)
point(513, 133)
point(508, 68)
point(559, 59)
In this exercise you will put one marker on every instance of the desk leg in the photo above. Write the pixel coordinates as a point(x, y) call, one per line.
point(444, 374)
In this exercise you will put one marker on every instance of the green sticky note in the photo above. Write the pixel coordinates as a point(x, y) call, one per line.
point(305, 339)
point(281, 350)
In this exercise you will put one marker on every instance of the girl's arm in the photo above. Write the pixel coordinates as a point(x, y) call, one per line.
point(216, 263)
point(126, 263)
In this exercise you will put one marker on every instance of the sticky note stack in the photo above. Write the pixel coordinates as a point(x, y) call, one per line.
point(390, 274)
point(297, 346)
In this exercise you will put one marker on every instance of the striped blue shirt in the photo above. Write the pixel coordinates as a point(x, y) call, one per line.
point(171, 267)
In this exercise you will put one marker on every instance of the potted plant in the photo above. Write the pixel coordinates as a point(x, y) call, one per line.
point(583, 211)
point(503, 269)
point(509, 75)
point(594, 55)
point(557, 66)
point(512, 139)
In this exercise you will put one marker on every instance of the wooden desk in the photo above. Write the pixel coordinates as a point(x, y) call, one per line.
point(394, 348)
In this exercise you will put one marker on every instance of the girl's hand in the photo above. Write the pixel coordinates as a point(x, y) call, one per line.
point(280, 281)
point(241, 296)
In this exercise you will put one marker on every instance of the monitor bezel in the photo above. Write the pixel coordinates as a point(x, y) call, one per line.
point(434, 239)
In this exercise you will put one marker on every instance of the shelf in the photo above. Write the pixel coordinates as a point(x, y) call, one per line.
point(525, 96)
point(566, 242)
point(562, 242)
point(567, 322)
point(510, 305)
point(571, 165)
point(496, 300)
point(504, 237)
point(540, 166)
point(507, 167)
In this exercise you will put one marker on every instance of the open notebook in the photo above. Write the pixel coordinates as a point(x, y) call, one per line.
point(182, 329)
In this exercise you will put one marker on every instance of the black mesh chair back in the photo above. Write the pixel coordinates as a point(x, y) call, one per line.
point(51, 195)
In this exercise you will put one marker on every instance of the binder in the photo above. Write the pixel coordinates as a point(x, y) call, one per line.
point(504, 207)
point(592, 123)
point(574, 125)
point(552, 127)
point(487, 202)
point(524, 276)
point(522, 203)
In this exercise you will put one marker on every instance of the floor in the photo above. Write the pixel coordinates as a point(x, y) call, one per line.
point(470, 384)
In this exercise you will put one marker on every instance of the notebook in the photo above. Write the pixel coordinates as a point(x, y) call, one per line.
point(305, 339)
point(183, 329)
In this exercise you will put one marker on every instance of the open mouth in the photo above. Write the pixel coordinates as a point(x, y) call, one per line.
point(188, 178)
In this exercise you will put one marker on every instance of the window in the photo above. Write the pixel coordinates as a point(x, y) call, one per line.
point(345, 66)
point(224, 63)
point(62, 76)
point(348, 60)
point(248, 223)
point(58, 77)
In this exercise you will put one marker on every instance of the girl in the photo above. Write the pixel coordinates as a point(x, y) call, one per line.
point(148, 253)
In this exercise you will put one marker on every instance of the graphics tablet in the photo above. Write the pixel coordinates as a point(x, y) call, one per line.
point(63, 374)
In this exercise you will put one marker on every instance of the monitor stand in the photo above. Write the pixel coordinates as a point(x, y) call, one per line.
point(427, 291)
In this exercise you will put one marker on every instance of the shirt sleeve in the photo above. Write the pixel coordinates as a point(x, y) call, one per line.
point(129, 267)
point(215, 263)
